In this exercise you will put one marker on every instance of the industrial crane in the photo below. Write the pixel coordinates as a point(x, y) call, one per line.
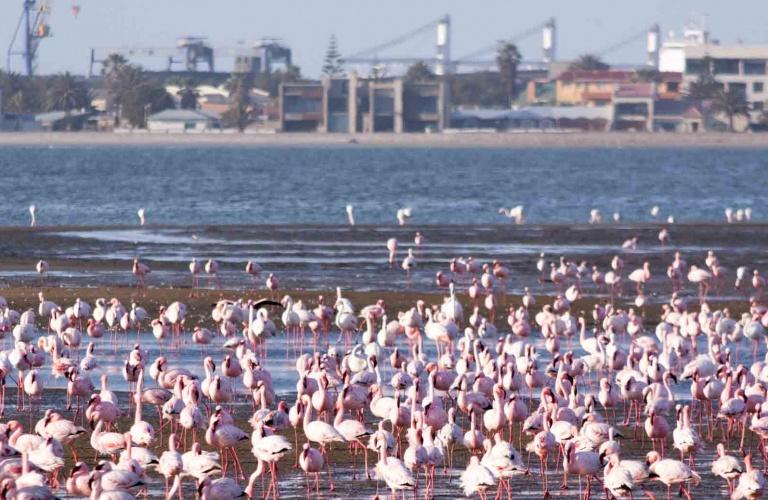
point(32, 27)
point(442, 61)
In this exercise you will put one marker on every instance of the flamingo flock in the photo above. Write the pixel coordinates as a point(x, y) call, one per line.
point(584, 390)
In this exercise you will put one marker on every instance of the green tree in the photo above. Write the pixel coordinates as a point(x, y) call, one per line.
point(589, 62)
point(507, 59)
point(271, 81)
point(704, 90)
point(648, 75)
point(143, 100)
point(113, 64)
point(705, 87)
point(483, 88)
point(240, 112)
point(66, 93)
point(419, 72)
point(20, 93)
point(121, 78)
point(333, 64)
point(731, 103)
point(187, 93)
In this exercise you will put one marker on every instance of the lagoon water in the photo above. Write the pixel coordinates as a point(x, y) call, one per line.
point(276, 185)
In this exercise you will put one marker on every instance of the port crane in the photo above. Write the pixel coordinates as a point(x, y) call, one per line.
point(31, 29)
point(442, 61)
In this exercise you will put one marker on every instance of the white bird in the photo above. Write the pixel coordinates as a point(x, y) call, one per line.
point(476, 478)
point(141, 213)
point(751, 483)
point(393, 471)
point(32, 213)
point(515, 213)
point(403, 214)
point(350, 215)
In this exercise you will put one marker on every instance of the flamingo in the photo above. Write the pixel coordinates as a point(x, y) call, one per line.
point(140, 270)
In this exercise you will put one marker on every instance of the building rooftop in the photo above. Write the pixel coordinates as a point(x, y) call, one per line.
point(183, 115)
point(635, 90)
point(597, 76)
point(52, 116)
point(727, 51)
point(538, 113)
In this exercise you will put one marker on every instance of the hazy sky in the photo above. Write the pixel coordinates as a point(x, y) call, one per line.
point(584, 26)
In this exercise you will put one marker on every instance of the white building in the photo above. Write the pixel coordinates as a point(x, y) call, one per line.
point(183, 120)
point(737, 67)
point(672, 52)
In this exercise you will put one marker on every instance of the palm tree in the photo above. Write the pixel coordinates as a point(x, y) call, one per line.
point(20, 93)
point(67, 93)
point(419, 72)
point(112, 64)
point(589, 62)
point(187, 92)
point(508, 58)
point(731, 103)
point(239, 87)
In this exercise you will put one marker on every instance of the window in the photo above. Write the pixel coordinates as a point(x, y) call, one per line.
point(757, 87)
point(673, 87)
point(737, 87)
point(726, 66)
point(754, 67)
point(694, 66)
point(758, 106)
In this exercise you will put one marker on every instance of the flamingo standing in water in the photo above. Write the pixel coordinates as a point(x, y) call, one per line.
point(273, 285)
point(195, 268)
point(140, 270)
point(212, 270)
point(392, 249)
point(409, 263)
point(253, 270)
point(641, 276)
point(42, 269)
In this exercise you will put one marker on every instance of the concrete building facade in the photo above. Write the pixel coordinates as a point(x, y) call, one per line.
point(737, 67)
point(358, 105)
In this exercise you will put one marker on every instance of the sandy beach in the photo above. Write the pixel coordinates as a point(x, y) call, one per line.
point(445, 140)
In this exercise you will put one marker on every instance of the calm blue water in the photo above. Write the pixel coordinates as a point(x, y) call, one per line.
point(240, 185)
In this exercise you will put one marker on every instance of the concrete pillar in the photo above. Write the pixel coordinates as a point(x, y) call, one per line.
point(326, 84)
point(443, 64)
point(651, 112)
point(549, 41)
point(443, 120)
point(371, 107)
point(280, 103)
point(352, 102)
point(398, 98)
point(654, 37)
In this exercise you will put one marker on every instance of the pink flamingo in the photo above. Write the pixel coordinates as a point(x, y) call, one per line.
point(140, 270)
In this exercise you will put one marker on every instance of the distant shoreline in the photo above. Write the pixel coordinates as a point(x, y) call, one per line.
point(447, 140)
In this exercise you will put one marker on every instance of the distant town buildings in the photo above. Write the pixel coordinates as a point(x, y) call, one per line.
point(549, 94)
point(351, 105)
point(183, 120)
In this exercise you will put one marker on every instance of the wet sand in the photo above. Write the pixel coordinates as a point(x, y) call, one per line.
point(444, 140)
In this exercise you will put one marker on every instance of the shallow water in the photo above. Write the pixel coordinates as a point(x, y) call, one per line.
point(324, 257)
point(258, 185)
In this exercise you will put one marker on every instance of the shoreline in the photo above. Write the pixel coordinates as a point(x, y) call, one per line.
point(527, 140)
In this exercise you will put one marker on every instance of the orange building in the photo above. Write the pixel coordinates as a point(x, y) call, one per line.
point(597, 87)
